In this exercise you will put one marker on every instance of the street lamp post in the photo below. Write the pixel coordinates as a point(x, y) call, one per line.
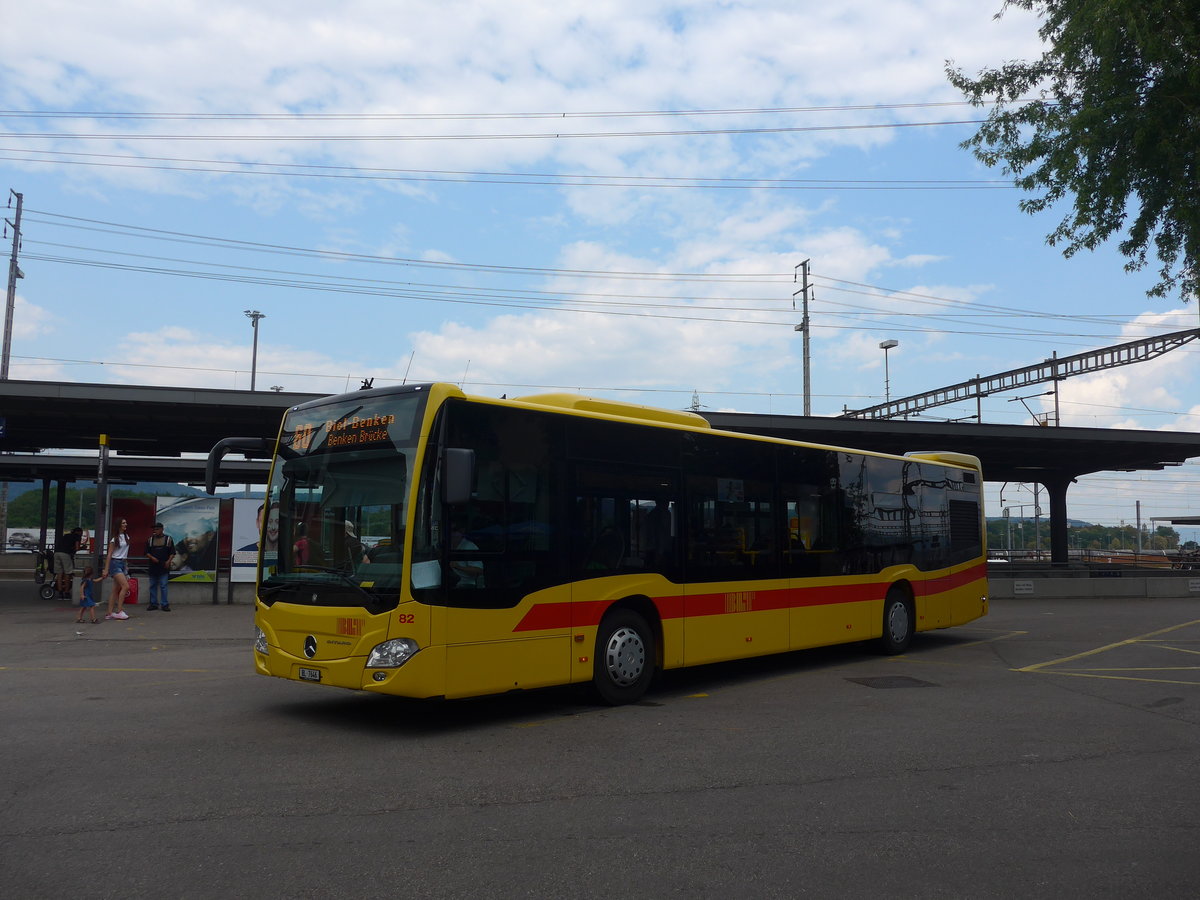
point(885, 346)
point(254, 315)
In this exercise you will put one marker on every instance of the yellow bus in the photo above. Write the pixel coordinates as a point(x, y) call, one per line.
point(434, 544)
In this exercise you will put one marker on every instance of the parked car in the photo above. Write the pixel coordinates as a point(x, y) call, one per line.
point(22, 540)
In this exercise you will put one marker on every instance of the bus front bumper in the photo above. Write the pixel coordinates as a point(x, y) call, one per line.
point(421, 676)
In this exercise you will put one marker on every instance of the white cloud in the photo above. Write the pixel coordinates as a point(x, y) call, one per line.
point(32, 321)
point(177, 356)
point(462, 57)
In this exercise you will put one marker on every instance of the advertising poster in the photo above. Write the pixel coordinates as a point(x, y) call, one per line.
point(249, 517)
point(139, 515)
point(192, 522)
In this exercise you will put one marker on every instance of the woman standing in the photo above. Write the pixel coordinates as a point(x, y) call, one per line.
point(117, 565)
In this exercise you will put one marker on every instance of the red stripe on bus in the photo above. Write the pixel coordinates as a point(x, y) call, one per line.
point(949, 582)
point(561, 615)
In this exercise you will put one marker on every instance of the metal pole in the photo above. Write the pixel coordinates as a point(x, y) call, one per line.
point(807, 356)
point(804, 329)
point(14, 272)
point(885, 346)
point(1037, 521)
point(1057, 412)
point(100, 537)
point(254, 315)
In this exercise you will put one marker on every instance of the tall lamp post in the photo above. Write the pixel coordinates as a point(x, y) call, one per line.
point(254, 315)
point(885, 346)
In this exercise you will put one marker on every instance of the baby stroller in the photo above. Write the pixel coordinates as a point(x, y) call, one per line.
point(43, 576)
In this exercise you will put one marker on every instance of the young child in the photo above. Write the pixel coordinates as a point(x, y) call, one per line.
point(86, 599)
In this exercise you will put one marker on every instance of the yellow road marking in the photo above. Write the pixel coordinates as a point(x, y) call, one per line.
point(1133, 640)
point(1137, 669)
point(1000, 637)
point(1181, 649)
point(1069, 674)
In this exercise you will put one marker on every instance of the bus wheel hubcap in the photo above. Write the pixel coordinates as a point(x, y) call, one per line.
point(625, 657)
point(898, 621)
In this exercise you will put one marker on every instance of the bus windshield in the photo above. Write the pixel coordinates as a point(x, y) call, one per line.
point(341, 484)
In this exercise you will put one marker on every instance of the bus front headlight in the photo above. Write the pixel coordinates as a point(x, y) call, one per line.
point(392, 654)
point(260, 641)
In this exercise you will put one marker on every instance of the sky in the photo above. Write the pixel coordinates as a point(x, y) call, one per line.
point(611, 197)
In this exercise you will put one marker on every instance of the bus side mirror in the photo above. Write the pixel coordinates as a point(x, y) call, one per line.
point(458, 474)
point(249, 445)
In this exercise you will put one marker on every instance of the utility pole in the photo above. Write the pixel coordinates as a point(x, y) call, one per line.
point(254, 315)
point(803, 327)
point(14, 272)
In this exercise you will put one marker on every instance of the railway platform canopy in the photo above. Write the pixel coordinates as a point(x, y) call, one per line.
point(50, 431)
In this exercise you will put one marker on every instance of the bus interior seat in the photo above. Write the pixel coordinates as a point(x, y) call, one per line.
point(607, 551)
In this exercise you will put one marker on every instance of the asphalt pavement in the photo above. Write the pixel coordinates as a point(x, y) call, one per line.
point(1049, 750)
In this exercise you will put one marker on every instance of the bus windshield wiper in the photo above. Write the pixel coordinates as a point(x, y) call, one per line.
point(273, 585)
point(340, 573)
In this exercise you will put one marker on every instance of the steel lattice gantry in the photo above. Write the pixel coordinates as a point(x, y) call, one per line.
point(1050, 370)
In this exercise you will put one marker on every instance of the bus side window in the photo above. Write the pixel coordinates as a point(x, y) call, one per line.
point(511, 545)
point(623, 520)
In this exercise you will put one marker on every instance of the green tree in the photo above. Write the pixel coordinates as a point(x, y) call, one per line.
point(25, 511)
point(1109, 115)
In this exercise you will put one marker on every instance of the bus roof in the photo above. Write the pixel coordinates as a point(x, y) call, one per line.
point(651, 415)
point(616, 408)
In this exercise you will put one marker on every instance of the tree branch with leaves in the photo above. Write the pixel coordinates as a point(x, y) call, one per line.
point(1108, 119)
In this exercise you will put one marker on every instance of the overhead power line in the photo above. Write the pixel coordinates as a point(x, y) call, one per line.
point(530, 136)
point(686, 310)
point(206, 240)
point(490, 384)
point(773, 304)
point(361, 173)
point(389, 117)
point(535, 299)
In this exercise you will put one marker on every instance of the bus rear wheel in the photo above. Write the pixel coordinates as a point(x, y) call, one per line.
point(625, 658)
point(897, 622)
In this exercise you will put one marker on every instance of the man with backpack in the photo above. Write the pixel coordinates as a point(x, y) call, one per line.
point(160, 551)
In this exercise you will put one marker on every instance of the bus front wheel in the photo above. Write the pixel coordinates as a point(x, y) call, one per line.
point(625, 658)
point(897, 622)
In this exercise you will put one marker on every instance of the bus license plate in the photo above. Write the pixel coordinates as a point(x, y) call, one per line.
point(310, 674)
